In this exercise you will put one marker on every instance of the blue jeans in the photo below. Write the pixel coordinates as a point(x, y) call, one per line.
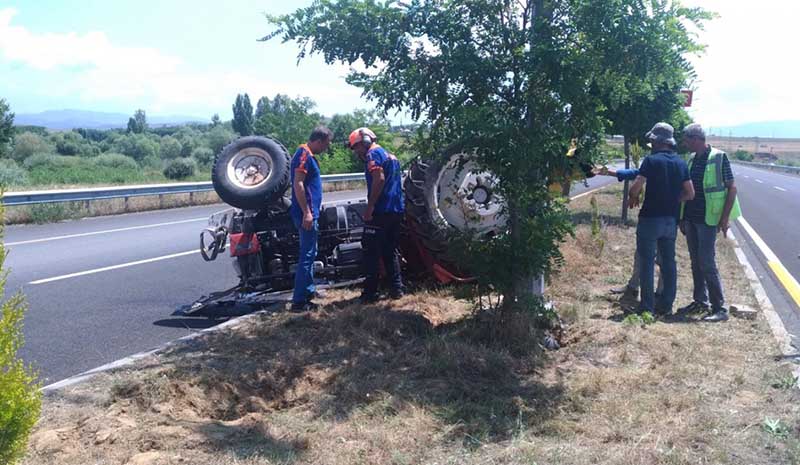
point(304, 275)
point(657, 233)
point(702, 241)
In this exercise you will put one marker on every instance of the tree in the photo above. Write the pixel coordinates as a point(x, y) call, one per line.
point(170, 148)
point(137, 124)
point(261, 107)
point(512, 83)
point(6, 127)
point(215, 121)
point(28, 143)
point(286, 119)
point(243, 115)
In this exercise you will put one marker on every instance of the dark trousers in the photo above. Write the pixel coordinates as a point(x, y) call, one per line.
point(380, 239)
point(702, 242)
point(657, 235)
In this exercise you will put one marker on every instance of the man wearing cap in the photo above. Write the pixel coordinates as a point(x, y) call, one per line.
point(384, 213)
point(668, 184)
point(711, 210)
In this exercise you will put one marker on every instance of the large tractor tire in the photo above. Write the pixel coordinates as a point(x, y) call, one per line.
point(252, 173)
point(451, 194)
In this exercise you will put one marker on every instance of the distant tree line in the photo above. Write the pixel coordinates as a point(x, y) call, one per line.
point(33, 155)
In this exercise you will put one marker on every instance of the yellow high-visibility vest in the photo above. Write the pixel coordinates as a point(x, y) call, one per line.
point(714, 190)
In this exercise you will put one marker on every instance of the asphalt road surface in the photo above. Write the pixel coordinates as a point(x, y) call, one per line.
point(770, 204)
point(101, 289)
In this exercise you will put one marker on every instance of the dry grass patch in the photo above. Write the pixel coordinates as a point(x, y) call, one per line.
point(427, 380)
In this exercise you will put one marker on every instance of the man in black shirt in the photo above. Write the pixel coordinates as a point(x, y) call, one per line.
point(713, 206)
point(668, 184)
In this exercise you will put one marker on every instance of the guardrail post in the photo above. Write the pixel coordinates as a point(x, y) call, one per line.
point(88, 205)
point(161, 201)
point(126, 204)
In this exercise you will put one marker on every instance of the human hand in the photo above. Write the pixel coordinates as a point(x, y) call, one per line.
point(308, 221)
point(368, 214)
point(723, 226)
point(633, 201)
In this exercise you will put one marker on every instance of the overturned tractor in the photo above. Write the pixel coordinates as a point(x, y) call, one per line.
point(252, 175)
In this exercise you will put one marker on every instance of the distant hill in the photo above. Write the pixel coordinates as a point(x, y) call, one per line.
point(771, 129)
point(69, 119)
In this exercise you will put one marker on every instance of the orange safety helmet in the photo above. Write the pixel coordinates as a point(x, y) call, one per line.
point(364, 135)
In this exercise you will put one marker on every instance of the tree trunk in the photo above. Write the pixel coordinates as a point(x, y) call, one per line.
point(627, 148)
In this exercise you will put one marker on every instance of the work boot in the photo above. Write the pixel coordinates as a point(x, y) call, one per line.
point(718, 316)
point(368, 298)
point(693, 308)
point(307, 306)
point(396, 294)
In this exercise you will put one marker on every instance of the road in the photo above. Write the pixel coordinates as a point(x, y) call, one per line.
point(101, 289)
point(770, 204)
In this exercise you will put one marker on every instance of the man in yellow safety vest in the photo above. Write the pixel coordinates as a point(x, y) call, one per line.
point(713, 207)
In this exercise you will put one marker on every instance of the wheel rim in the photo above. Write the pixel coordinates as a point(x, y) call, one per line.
point(465, 199)
point(249, 168)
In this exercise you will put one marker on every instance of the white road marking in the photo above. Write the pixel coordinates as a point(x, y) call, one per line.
point(759, 181)
point(107, 231)
point(114, 267)
point(780, 188)
point(746, 176)
point(768, 253)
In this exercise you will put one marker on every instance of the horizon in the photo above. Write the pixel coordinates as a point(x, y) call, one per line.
point(111, 57)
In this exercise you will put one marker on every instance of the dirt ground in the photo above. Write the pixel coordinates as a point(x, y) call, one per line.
point(424, 380)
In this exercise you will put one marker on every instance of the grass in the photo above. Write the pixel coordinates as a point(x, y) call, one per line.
point(426, 379)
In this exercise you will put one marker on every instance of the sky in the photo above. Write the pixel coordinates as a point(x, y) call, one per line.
point(180, 57)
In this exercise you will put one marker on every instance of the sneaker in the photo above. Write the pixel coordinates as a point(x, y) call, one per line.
point(629, 297)
point(694, 307)
point(619, 290)
point(307, 306)
point(717, 317)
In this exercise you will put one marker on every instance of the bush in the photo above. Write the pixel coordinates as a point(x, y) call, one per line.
point(743, 155)
point(137, 146)
point(20, 398)
point(180, 168)
point(27, 144)
point(116, 160)
point(203, 155)
point(50, 161)
point(170, 148)
point(72, 143)
point(12, 174)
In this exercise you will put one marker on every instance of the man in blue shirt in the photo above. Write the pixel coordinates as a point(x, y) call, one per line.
point(668, 184)
point(306, 203)
point(384, 213)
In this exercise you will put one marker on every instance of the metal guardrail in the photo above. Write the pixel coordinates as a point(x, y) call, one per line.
point(100, 193)
point(784, 168)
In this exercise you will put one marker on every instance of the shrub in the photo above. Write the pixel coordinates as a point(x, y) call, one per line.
point(51, 161)
point(743, 155)
point(116, 160)
point(180, 168)
point(203, 155)
point(27, 144)
point(137, 146)
point(170, 148)
point(12, 174)
point(20, 398)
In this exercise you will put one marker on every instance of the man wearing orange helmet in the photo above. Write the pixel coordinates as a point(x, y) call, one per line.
point(384, 213)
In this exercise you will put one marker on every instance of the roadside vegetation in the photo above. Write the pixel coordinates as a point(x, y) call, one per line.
point(20, 398)
point(33, 157)
point(425, 380)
